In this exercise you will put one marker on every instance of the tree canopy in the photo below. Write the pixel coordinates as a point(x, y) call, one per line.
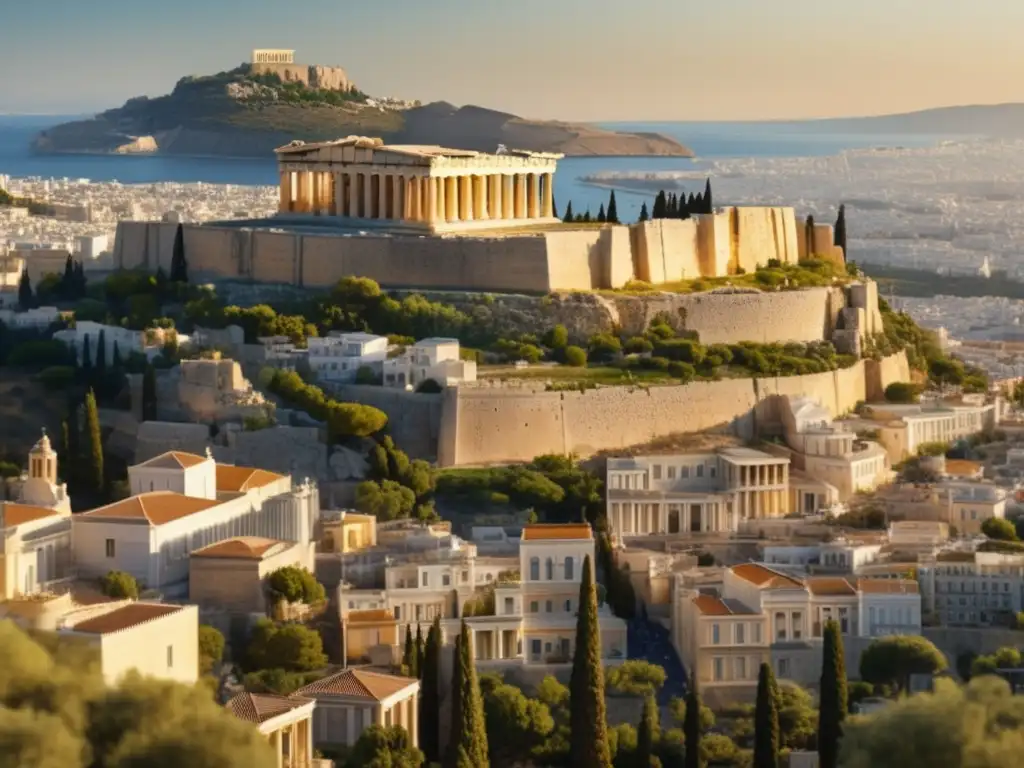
point(892, 660)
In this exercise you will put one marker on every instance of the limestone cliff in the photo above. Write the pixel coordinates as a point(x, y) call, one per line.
point(245, 113)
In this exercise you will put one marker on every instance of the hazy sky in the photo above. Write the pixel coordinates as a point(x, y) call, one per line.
point(569, 59)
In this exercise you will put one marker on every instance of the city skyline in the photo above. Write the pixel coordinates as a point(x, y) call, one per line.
point(569, 60)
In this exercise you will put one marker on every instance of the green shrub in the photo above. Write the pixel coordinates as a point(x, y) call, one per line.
point(575, 357)
point(296, 585)
point(682, 371)
point(120, 585)
point(56, 377)
point(902, 392)
point(603, 347)
point(429, 387)
point(43, 352)
point(557, 337)
point(683, 350)
point(366, 375)
point(638, 345)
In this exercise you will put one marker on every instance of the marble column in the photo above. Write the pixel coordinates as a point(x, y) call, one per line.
point(497, 206)
point(414, 198)
point(414, 732)
point(466, 198)
point(451, 198)
point(442, 199)
point(532, 196)
point(397, 197)
point(547, 205)
point(480, 197)
point(508, 196)
point(520, 207)
point(431, 200)
point(382, 196)
point(285, 201)
point(355, 200)
point(339, 194)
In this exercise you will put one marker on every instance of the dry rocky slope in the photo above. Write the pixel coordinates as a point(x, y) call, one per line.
point(241, 115)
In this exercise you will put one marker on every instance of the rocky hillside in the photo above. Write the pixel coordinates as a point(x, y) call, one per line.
point(240, 114)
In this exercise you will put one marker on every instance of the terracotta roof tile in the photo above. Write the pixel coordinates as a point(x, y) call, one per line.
point(765, 578)
point(889, 586)
point(174, 460)
point(830, 585)
point(241, 548)
point(554, 531)
point(12, 514)
point(156, 507)
point(962, 467)
point(359, 684)
point(369, 616)
point(125, 618)
point(257, 708)
point(232, 479)
point(711, 606)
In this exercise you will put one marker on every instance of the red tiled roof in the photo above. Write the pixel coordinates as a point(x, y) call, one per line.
point(257, 708)
point(359, 684)
point(765, 578)
point(369, 616)
point(12, 514)
point(156, 507)
point(555, 531)
point(124, 618)
point(830, 585)
point(239, 548)
point(174, 460)
point(234, 479)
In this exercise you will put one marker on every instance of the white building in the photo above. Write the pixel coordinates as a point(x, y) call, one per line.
point(339, 357)
point(973, 588)
point(182, 502)
point(39, 318)
point(840, 555)
point(436, 359)
point(903, 429)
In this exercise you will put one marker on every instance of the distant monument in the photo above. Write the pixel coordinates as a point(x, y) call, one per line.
point(281, 62)
point(272, 56)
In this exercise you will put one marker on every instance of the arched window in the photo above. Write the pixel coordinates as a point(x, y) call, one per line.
point(568, 569)
point(534, 569)
point(549, 569)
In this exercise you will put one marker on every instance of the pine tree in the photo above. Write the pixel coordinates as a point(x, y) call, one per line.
point(691, 726)
point(586, 216)
point(809, 235)
point(691, 203)
point(709, 206)
point(644, 216)
point(179, 264)
point(430, 694)
point(568, 219)
point(407, 655)
point(467, 739)
point(66, 289)
point(660, 206)
point(684, 208)
point(95, 441)
point(149, 394)
point(420, 651)
point(26, 299)
point(840, 238)
point(601, 217)
point(832, 707)
point(766, 720)
point(613, 210)
point(672, 206)
point(587, 719)
point(647, 733)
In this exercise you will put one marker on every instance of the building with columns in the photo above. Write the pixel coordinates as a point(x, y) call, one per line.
point(430, 188)
point(696, 493)
point(272, 56)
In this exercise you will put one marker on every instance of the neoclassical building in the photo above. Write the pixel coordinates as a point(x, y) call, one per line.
point(425, 187)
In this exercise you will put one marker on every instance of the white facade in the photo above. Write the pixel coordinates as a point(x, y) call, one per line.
point(973, 589)
point(127, 341)
point(911, 426)
point(39, 318)
point(339, 357)
point(188, 475)
point(436, 359)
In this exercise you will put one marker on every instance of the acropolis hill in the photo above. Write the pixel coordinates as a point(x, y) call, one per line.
point(260, 105)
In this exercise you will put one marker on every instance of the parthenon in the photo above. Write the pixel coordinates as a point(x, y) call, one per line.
point(423, 187)
point(272, 56)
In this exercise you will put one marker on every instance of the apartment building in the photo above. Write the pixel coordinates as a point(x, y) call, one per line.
point(338, 357)
point(972, 589)
point(971, 504)
point(761, 614)
point(434, 358)
point(520, 608)
point(903, 429)
point(695, 493)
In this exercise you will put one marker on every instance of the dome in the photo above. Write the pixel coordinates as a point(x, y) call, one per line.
point(43, 445)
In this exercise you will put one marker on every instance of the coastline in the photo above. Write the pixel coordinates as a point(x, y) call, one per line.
point(250, 158)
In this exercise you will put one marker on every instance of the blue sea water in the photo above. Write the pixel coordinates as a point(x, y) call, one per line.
point(709, 140)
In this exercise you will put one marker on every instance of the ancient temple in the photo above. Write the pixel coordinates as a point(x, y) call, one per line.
point(423, 187)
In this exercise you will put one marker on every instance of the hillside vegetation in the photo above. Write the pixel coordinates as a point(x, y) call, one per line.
point(242, 114)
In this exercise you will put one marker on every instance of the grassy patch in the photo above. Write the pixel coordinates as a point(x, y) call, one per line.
point(598, 374)
point(784, 277)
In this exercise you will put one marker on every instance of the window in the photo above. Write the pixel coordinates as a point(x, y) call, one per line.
point(713, 471)
point(465, 576)
point(741, 668)
point(715, 635)
point(534, 569)
point(110, 548)
point(426, 578)
point(797, 626)
point(549, 569)
point(398, 613)
point(757, 634)
point(844, 621)
point(535, 647)
point(419, 612)
point(780, 626)
point(568, 606)
point(671, 473)
point(534, 606)
point(700, 470)
point(446, 580)
point(783, 668)
point(509, 605)
point(170, 656)
point(718, 665)
point(684, 473)
point(656, 471)
point(740, 631)
point(548, 606)
point(569, 575)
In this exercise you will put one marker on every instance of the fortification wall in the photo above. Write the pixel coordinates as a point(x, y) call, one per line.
point(495, 424)
point(314, 76)
point(414, 419)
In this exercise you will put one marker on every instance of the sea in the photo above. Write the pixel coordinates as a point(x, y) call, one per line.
point(709, 140)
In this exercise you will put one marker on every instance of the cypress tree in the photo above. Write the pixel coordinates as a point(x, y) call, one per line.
point(101, 355)
point(766, 720)
point(601, 217)
point(840, 238)
point(568, 219)
point(467, 741)
point(684, 208)
point(430, 694)
point(709, 206)
point(26, 299)
point(644, 216)
point(65, 440)
point(613, 210)
point(586, 216)
point(179, 264)
point(660, 206)
point(691, 726)
point(672, 207)
point(832, 709)
point(809, 235)
point(80, 281)
point(87, 360)
point(149, 394)
point(647, 733)
point(420, 651)
point(410, 649)
point(115, 360)
point(588, 723)
point(95, 440)
point(67, 282)
point(691, 203)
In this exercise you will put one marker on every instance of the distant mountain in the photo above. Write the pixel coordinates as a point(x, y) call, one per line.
point(243, 113)
point(995, 120)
